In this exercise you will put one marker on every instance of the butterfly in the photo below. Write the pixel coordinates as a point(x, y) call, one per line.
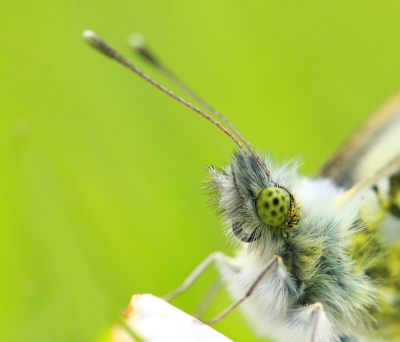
point(318, 258)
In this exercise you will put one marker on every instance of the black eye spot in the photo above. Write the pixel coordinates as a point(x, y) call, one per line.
point(276, 201)
point(266, 205)
point(282, 198)
point(269, 194)
point(273, 213)
point(281, 209)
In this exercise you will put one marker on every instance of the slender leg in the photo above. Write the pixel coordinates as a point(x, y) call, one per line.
point(310, 324)
point(208, 298)
point(277, 260)
point(317, 311)
point(216, 256)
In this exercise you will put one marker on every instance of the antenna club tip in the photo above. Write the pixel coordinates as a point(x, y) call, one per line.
point(89, 36)
point(97, 43)
point(137, 41)
point(92, 39)
point(138, 44)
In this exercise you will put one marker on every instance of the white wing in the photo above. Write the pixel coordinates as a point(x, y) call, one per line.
point(370, 149)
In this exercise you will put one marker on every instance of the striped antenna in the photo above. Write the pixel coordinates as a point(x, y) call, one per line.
point(96, 42)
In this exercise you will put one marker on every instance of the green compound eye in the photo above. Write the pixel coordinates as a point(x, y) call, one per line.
point(273, 205)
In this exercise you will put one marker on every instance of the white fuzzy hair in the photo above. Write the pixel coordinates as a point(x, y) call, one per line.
point(321, 269)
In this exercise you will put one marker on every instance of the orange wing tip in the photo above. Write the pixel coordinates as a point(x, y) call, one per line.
point(151, 319)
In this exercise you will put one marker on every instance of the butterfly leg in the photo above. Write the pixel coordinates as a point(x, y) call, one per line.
point(311, 324)
point(214, 257)
point(208, 298)
point(275, 262)
point(316, 320)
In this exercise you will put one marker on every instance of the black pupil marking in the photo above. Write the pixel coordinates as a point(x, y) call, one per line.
point(276, 201)
point(269, 194)
point(281, 209)
point(283, 198)
point(273, 213)
point(266, 205)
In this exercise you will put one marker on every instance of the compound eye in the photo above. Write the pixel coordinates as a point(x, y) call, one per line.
point(273, 205)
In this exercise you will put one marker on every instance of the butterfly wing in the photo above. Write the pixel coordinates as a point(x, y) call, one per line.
point(370, 161)
point(374, 145)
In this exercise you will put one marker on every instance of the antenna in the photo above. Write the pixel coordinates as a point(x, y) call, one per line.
point(96, 42)
point(140, 46)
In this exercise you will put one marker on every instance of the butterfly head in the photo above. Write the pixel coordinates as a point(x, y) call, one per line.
point(252, 202)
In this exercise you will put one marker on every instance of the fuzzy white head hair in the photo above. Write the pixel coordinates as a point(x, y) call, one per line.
point(316, 288)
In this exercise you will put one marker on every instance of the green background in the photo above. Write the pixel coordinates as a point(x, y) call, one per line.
point(101, 175)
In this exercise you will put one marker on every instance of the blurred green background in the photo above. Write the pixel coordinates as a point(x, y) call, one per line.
point(101, 175)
